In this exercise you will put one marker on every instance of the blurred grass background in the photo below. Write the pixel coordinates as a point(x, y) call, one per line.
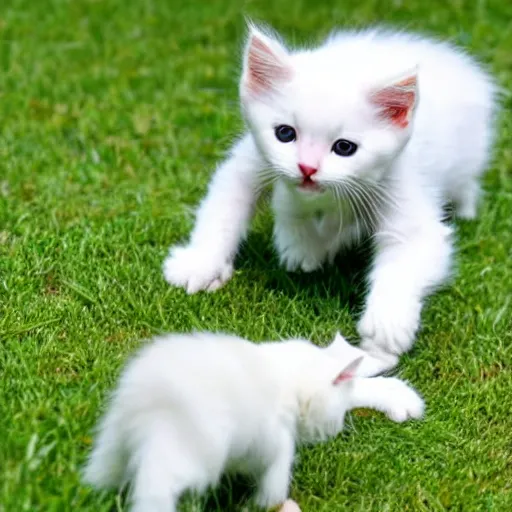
point(113, 115)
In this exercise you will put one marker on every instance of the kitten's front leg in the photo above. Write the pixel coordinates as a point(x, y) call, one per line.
point(389, 395)
point(275, 481)
point(407, 267)
point(223, 218)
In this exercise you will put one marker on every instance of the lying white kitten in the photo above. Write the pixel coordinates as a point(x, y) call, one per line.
point(368, 135)
point(190, 407)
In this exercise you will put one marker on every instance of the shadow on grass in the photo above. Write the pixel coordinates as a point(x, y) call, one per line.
point(233, 494)
point(343, 280)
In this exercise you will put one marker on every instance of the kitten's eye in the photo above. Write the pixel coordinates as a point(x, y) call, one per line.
point(285, 133)
point(344, 147)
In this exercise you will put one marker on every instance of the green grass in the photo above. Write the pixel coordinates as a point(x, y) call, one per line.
point(113, 115)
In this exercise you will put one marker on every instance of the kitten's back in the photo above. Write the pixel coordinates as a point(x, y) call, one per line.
point(454, 121)
point(197, 375)
point(200, 386)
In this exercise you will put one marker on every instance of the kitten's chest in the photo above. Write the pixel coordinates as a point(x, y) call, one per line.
point(307, 205)
point(317, 220)
point(325, 211)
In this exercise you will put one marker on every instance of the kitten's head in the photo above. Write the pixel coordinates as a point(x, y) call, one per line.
point(325, 403)
point(320, 117)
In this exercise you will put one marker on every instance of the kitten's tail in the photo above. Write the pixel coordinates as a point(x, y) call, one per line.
point(148, 468)
point(106, 465)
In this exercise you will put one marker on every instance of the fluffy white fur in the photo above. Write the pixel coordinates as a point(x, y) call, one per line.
point(190, 407)
point(421, 113)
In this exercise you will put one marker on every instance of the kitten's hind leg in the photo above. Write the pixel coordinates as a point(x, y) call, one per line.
point(162, 469)
point(389, 395)
point(275, 481)
point(153, 485)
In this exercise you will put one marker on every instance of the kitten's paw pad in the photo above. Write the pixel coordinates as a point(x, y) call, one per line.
point(389, 326)
point(407, 402)
point(196, 269)
point(290, 506)
point(271, 495)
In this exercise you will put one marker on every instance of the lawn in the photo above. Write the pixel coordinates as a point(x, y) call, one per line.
point(114, 114)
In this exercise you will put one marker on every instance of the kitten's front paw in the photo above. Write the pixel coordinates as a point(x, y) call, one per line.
point(196, 269)
point(296, 250)
point(295, 257)
point(389, 325)
point(292, 261)
point(407, 404)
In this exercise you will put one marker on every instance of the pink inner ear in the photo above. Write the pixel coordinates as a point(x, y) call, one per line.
point(264, 68)
point(349, 372)
point(343, 377)
point(396, 101)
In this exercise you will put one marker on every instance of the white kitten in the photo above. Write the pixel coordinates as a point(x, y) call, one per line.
point(370, 134)
point(190, 407)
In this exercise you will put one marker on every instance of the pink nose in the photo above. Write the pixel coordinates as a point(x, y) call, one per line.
point(307, 171)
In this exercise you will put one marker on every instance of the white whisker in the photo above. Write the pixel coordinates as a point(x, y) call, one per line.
point(372, 207)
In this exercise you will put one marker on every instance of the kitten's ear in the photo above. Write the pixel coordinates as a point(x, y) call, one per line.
point(266, 63)
point(338, 345)
point(396, 101)
point(338, 338)
point(349, 372)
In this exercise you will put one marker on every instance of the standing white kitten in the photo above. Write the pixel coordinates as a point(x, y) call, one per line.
point(370, 134)
point(190, 407)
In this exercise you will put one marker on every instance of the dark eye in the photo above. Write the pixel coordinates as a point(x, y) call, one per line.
point(344, 147)
point(285, 133)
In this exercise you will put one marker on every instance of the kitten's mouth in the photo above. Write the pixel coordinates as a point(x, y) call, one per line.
point(308, 184)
